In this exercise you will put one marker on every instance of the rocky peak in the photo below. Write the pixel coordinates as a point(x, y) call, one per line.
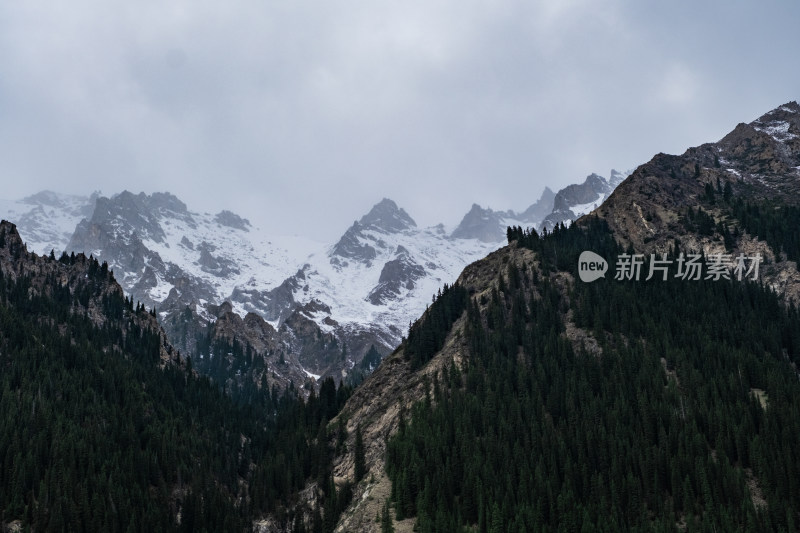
point(397, 274)
point(130, 213)
point(387, 217)
point(482, 224)
point(355, 244)
point(616, 177)
point(543, 206)
point(10, 240)
point(589, 191)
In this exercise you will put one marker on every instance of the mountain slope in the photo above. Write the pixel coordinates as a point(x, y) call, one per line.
point(620, 404)
point(649, 389)
point(105, 428)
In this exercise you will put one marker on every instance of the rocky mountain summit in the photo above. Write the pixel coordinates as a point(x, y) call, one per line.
point(574, 201)
point(759, 163)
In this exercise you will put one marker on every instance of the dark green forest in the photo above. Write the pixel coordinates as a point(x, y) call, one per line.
point(660, 429)
point(95, 436)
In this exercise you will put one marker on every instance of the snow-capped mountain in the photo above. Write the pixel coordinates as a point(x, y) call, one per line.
point(323, 305)
point(168, 256)
point(384, 270)
point(364, 289)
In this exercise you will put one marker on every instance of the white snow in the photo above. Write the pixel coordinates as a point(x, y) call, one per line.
point(161, 290)
point(777, 129)
point(309, 374)
point(346, 288)
point(263, 262)
point(583, 209)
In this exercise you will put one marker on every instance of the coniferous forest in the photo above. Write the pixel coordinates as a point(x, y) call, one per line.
point(684, 416)
point(97, 436)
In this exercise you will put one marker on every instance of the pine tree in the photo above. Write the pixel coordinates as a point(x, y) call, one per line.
point(386, 519)
point(359, 459)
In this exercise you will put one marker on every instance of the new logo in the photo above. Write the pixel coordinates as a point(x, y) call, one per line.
point(591, 266)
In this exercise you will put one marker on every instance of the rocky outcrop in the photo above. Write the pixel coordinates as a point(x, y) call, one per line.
point(398, 274)
point(352, 246)
point(232, 220)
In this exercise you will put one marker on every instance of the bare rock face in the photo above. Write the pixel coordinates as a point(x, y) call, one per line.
point(219, 266)
point(398, 274)
point(351, 246)
point(232, 220)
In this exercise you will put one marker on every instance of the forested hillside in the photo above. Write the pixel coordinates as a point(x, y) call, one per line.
point(103, 429)
point(606, 406)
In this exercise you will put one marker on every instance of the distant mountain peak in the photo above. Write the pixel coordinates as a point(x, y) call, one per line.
point(616, 177)
point(387, 216)
point(482, 224)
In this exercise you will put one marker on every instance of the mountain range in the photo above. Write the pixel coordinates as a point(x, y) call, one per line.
point(520, 399)
point(318, 307)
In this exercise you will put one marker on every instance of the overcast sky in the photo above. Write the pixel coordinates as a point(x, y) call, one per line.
point(300, 115)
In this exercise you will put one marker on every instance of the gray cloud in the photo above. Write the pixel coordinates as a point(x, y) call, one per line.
point(301, 115)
